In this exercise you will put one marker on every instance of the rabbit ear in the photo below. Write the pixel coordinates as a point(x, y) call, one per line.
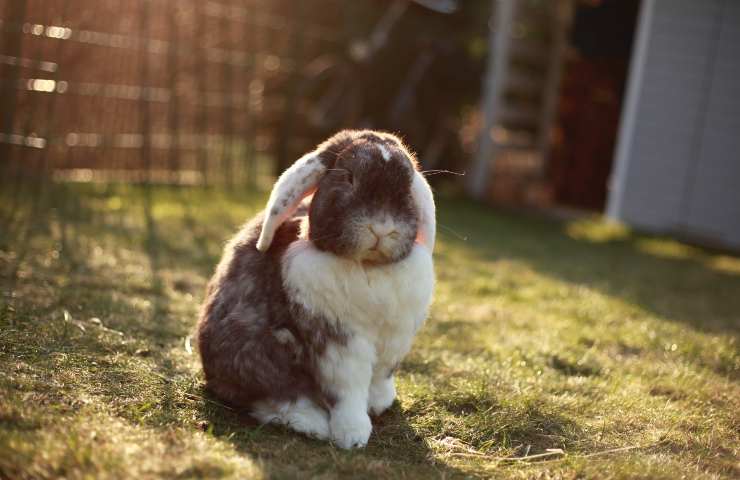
point(299, 181)
point(421, 192)
point(296, 183)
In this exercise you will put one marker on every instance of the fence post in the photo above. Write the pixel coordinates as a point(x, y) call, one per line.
point(227, 88)
point(50, 128)
point(284, 152)
point(173, 117)
point(251, 39)
point(144, 114)
point(201, 119)
point(11, 37)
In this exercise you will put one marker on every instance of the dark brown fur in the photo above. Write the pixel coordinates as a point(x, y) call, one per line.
point(245, 305)
point(360, 181)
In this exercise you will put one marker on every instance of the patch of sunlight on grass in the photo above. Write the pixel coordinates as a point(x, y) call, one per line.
point(94, 444)
point(666, 248)
point(597, 230)
point(724, 263)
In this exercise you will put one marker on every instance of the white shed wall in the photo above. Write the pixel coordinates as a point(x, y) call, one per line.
point(677, 165)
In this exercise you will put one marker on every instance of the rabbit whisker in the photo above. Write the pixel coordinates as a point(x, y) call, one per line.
point(453, 232)
point(429, 173)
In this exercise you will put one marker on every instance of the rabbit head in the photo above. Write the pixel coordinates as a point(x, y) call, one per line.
point(370, 203)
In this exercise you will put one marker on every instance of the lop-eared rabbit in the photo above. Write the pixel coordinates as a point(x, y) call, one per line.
point(318, 298)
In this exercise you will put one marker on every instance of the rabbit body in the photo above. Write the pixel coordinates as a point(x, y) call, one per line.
point(306, 333)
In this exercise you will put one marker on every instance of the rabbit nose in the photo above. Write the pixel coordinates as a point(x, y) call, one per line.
point(383, 230)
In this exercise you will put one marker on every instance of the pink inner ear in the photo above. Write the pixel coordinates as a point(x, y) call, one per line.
point(420, 239)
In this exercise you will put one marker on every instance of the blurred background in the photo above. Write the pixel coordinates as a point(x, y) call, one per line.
point(561, 104)
point(136, 136)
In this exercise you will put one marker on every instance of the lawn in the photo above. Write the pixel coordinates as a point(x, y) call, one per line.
point(554, 349)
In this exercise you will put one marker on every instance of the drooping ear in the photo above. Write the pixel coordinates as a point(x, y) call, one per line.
point(296, 183)
point(421, 192)
point(299, 181)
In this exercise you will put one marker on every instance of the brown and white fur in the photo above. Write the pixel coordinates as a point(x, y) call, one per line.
point(306, 318)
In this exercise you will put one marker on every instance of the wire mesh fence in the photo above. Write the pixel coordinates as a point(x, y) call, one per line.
point(98, 96)
point(184, 91)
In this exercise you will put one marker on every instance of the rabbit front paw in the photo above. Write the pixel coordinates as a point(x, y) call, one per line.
point(350, 428)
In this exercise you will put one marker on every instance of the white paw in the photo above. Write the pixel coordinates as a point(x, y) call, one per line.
point(350, 429)
point(301, 415)
point(382, 394)
point(313, 423)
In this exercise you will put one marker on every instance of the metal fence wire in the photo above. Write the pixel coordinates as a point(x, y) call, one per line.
point(182, 91)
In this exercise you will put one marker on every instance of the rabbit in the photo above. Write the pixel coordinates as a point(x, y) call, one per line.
point(318, 298)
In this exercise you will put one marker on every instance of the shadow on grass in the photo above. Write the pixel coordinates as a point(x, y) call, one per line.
point(679, 288)
point(395, 448)
point(489, 422)
point(153, 247)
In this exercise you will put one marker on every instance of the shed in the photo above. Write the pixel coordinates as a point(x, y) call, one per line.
point(677, 161)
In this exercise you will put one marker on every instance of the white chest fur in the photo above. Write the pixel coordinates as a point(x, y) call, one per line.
point(384, 304)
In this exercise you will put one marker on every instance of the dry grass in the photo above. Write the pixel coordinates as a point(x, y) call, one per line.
point(554, 350)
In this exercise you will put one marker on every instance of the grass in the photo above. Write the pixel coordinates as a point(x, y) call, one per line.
point(554, 350)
